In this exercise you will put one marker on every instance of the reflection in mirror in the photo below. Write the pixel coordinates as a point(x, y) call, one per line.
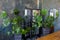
point(27, 12)
point(36, 12)
point(53, 12)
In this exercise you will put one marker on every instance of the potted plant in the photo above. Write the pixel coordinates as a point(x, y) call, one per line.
point(17, 26)
point(43, 14)
point(48, 26)
point(6, 25)
point(17, 30)
point(37, 23)
point(16, 11)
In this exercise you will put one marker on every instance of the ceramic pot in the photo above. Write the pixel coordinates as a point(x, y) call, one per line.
point(52, 29)
point(45, 31)
point(18, 37)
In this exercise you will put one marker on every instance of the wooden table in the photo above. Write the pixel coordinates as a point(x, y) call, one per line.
point(53, 36)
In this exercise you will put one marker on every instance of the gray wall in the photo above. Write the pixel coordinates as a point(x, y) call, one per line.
point(9, 5)
point(53, 4)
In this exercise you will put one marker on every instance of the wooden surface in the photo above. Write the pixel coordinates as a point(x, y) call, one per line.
point(53, 36)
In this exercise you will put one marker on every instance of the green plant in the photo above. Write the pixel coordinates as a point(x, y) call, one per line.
point(37, 20)
point(57, 14)
point(25, 31)
point(5, 20)
point(16, 28)
point(16, 11)
point(44, 12)
point(16, 24)
point(3, 14)
point(48, 22)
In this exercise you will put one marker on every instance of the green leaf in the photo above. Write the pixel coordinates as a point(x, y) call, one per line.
point(13, 32)
point(23, 31)
point(17, 30)
point(8, 33)
point(48, 22)
point(6, 22)
point(57, 14)
point(13, 27)
point(14, 21)
point(3, 14)
point(16, 11)
point(39, 24)
point(44, 12)
point(35, 14)
point(39, 18)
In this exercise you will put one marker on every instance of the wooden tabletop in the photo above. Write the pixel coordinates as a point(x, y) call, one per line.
point(53, 36)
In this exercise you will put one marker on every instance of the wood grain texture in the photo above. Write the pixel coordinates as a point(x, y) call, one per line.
point(53, 36)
